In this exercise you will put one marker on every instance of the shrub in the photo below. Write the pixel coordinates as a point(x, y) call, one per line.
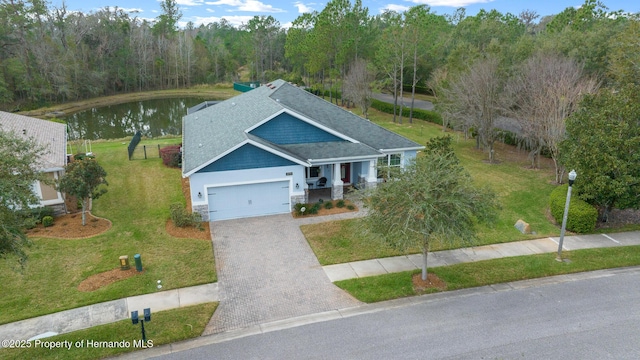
point(182, 218)
point(39, 213)
point(47, 221)
point(426, 115)
point(171, 156)
point(328, 205)
point(582, 216)
point(340, 203)
point(351, 207)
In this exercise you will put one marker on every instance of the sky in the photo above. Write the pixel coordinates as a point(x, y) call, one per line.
point(239, 12)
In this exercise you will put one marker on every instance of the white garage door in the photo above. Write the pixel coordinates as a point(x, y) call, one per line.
point(238, 201)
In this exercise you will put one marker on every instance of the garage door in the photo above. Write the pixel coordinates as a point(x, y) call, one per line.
point(238, 201)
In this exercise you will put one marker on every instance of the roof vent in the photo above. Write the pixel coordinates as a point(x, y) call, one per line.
point(277, 100)
point(233, 104)
point(24, 131)
point(199, 145)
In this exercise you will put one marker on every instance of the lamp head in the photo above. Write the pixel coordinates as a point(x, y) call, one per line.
point(572, 177)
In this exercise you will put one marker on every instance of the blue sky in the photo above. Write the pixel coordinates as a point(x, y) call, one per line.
point(238, 12)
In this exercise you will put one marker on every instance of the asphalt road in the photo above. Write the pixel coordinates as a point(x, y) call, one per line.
point(592, 316)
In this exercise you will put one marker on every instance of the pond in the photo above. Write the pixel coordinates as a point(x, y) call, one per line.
point(153, 118)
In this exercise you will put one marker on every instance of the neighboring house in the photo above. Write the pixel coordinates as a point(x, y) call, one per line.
point(51, 135)
point(263, 151)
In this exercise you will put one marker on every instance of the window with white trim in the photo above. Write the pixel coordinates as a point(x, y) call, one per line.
point(391, 160)
point(313, 172)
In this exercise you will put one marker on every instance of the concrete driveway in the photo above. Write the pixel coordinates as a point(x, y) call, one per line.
point(267, 272)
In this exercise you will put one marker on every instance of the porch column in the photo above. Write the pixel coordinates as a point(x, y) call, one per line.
point(337, 185)
point(372, 178)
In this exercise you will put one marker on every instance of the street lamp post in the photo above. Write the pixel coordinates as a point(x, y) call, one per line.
point(572, 178)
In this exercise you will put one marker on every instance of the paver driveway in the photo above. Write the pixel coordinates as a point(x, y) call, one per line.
point(267, 272)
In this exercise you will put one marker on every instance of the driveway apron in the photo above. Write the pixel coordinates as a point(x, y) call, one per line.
point(267, 272)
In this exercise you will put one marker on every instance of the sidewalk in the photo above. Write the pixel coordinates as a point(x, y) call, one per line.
point(107, 312)
point(394, 264)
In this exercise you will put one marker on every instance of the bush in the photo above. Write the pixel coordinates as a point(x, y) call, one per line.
point(351, 207)
point(171, 156)
point(47, 221)
point(420, 114)
point(182, 218)
point(582, 217)
point(82, 156)
point(328, 205)
point(39, 213)
point(340, 203)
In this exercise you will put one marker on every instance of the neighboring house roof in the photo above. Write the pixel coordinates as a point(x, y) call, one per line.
point(51, 135)
point(212, 132)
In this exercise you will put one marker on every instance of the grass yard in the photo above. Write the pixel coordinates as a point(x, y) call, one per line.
point(524, 194)
point(165, 327)
point(137, 203)
point(467, 275)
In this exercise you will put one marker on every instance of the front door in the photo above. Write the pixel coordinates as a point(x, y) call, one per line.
point(345, 173)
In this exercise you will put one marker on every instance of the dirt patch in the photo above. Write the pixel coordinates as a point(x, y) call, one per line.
point(432, 282)
point(188, 232)
point(70, 227)
point(334, 210)
point(95, 282)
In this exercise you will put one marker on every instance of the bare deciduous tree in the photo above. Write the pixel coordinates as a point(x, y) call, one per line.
point(541, 96)
point(474, 99)
point(357, 86)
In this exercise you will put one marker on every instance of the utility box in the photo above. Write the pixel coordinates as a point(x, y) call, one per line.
point(124, 262)
point(138, 261)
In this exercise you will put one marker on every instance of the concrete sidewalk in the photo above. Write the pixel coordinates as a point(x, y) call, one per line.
point(358, 269)
point(107, 312)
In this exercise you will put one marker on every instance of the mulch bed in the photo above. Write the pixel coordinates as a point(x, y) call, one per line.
point(188, 232)
point(94, 282)
point(69, 226)
point(432, 282)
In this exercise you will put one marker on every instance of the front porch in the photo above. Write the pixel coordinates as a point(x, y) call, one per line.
point(324, 194)
point(330, 181)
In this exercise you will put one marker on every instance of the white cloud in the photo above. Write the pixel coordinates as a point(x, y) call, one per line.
point(451, 3)
point(189, 2)
point(395, 7)
point(210, 10)
point(236, 21)
point(132, 10)
point(247, 5)
point(302, 8)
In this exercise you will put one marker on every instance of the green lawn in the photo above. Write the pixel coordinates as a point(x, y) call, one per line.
point(137, 202)
point(467, 275)
point(523, 192)
point(165, 327)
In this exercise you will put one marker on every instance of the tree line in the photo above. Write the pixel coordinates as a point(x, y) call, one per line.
point(50, 54)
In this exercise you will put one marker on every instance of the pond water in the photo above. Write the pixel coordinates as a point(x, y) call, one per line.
point(152, 117)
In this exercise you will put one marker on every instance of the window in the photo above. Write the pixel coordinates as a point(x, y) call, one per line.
point(391, 160)
point(313, 172)
point(394, 159)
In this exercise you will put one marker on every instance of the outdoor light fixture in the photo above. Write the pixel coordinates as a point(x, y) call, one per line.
point(199, 195)
point(297, 186)
point(572, 179)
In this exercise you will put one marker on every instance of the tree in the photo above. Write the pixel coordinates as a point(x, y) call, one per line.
point(82, 179)
point(19, 160)
point(475, 95)
point(541, 95)
point(432, 200)
point(603, 138)
point(357, 87)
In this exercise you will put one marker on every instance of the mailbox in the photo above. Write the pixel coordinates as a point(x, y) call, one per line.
point(134, 317)
point(147, 314)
